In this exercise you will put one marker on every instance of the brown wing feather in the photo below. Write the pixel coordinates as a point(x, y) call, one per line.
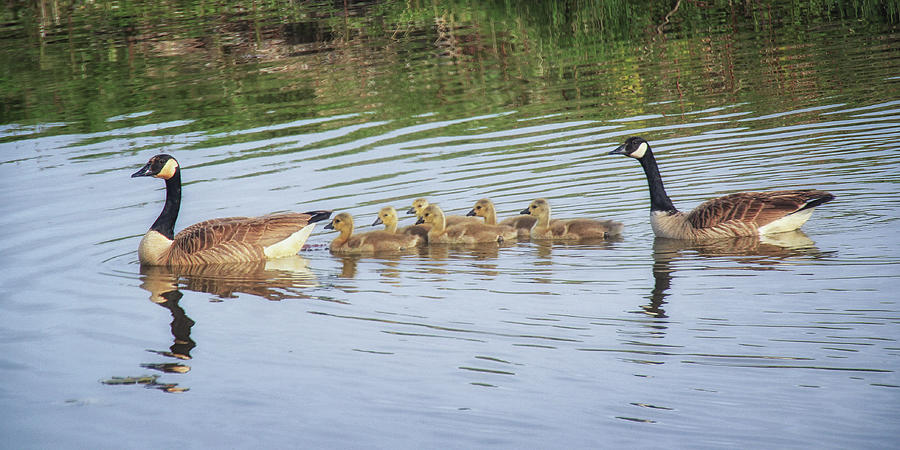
point(474, 232)
point(379, 240)
point(234, 239)
point(420, 230)
point(456, 220)
point(588, 228)
point(520, 221)
point(758, 208)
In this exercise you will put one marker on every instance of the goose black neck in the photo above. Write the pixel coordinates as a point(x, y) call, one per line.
point(659, 201)
point(165, 223)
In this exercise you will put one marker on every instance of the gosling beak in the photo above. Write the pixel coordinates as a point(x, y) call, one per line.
point(525, 211)
point(411, 211)
point(330, 225)
point(144, 172)
point(420, 221)
point(377, 221)
point(620, 150)
point(471, 213)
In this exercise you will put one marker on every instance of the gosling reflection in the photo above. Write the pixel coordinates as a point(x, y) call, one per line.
point(388, 269)
point(545, 247)
point(434, 259)
point(753, 253)
point(349, 264)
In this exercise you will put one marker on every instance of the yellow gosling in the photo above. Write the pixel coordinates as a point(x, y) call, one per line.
point(419, 205)
point(568, 229)
point(388, 217)
point(521, 223)
point(371, 242)
point(472, 232)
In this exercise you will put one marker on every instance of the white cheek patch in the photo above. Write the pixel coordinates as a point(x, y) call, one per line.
point(639, 153)
point(168, 171)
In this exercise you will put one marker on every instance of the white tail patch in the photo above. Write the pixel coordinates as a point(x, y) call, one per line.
point(639, 153)
point(291, 245)
point(789, 222)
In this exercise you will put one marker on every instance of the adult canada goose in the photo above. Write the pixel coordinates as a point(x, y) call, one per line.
point(471, 232)
point(418, 208)
point(226, 240)
point(569, 229)
point(373, 241)
point(388, 217)
point(522, 222)
point(732, 215)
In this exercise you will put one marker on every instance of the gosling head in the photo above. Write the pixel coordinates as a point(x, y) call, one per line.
point(432, 215)
point(387, 216)
point(482, 208)
point(537, 208)
point(160, 166)
point(341, 222)
point(635, 147)
point(417, 206)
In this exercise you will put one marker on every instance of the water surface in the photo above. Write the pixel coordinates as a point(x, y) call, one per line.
point(788, 341)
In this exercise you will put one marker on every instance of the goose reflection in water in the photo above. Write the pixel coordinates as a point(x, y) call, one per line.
point(753, 253)
point(272, 280)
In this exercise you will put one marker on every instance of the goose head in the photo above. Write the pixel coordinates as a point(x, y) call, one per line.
point(160, 166)
point(635, 147)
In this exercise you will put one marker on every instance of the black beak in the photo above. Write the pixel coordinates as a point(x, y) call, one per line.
point(377, 221)
point(525, 211)
point(619, 150)
point(471, 213)
point(420, 221)
point(411, 211)
point(330, 225)
point(144, 172)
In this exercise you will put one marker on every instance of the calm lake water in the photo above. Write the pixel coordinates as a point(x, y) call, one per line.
point(789, 341)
